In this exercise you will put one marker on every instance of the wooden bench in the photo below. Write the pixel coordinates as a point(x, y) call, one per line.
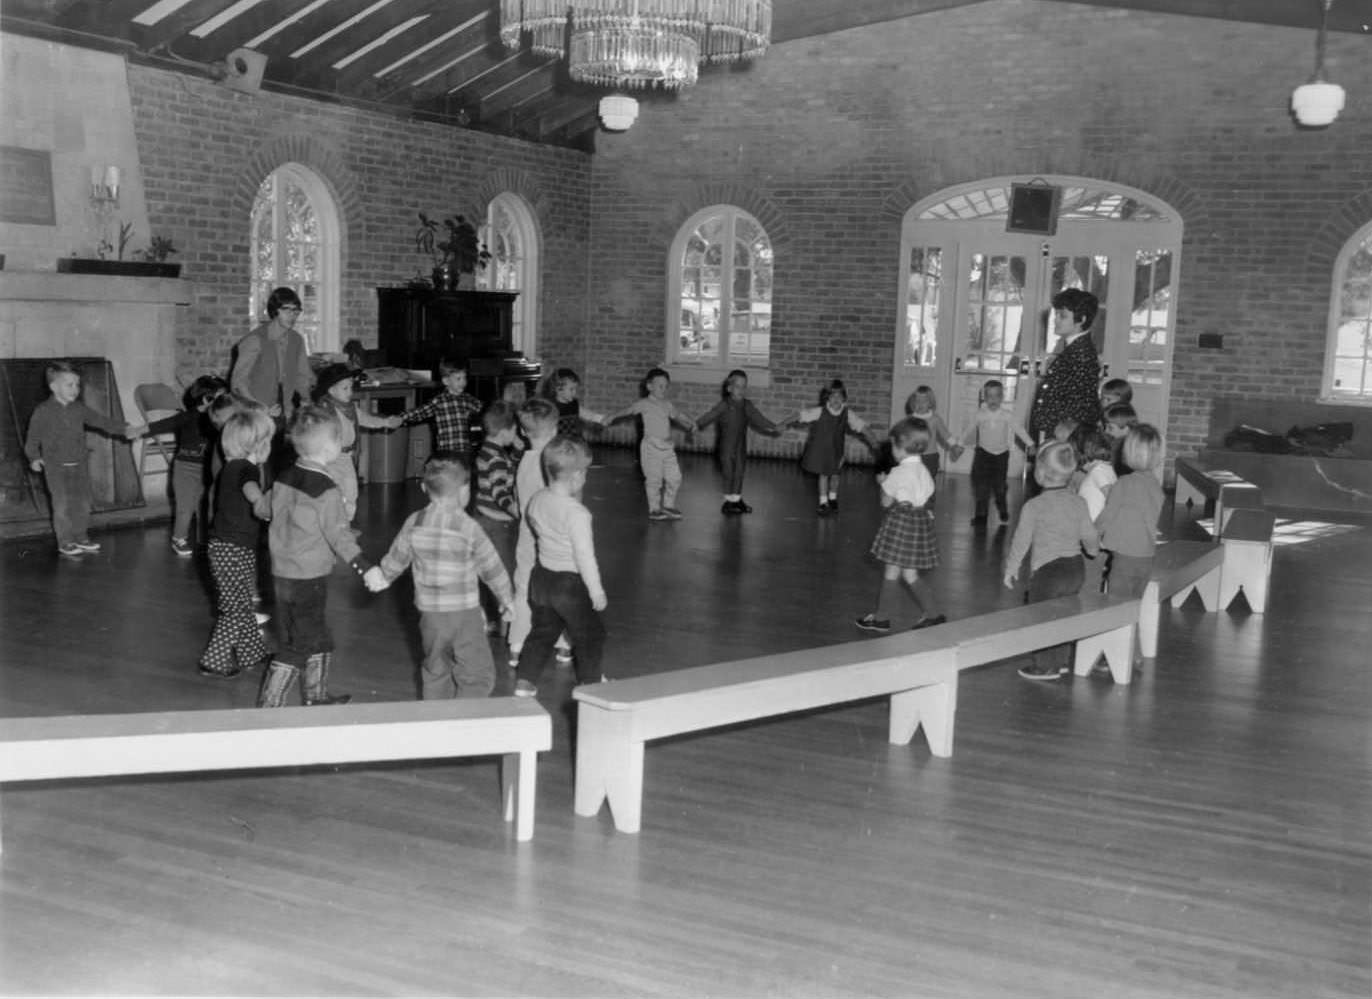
point(1215, 489)
point(917, 670)
point(1247, 542)
point(1180, 568)
point(67, 747)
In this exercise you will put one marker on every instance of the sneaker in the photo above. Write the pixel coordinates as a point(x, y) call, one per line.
point(523, 688)
point(220, 674)
point(563, 657)
point(262, 616)
point(672, 513)
point(742, 507)
point(87, 545)
point(870, 622)
point(730, 507)
point(823, 510)
point(658, 515)
point(182, 547)
point(930, 622)
point(70, 550)
point(1040, 672)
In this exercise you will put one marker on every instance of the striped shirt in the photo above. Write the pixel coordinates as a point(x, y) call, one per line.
point(495, 483)
point(452, 416)
point(448, 552)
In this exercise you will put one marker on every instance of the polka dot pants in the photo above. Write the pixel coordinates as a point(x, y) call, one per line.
point(234, 569)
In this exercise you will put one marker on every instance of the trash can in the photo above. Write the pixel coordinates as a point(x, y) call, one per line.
point(387, 455)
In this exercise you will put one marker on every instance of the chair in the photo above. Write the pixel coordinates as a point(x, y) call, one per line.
point(157, 401)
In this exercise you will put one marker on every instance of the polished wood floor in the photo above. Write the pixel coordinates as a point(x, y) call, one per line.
point(1204, 832)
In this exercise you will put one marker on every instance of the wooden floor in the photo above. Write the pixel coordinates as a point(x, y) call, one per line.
point(1203, 832)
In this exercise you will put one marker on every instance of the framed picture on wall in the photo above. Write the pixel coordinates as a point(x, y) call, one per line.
point(26, 186)
point(1034, 208)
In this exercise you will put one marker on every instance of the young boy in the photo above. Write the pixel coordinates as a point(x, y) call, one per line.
point(448, 552)
point(661, 473)
point(565, 592)
point(451, 411)
point(1115, 390)
point(992, 432)
point(1054, 528)
point(496, 506)
point(309, 529)
point(538, 417)
point(56, 446)
point(194, 440)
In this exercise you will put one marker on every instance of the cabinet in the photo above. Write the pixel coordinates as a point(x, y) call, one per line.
point(418, 327)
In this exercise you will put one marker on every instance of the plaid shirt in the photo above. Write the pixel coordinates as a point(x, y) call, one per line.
point(452, 416)
point(448, 551)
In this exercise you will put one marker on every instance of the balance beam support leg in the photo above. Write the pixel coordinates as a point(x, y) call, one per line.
point(933, 706)
point(518, 772)
point(609, 766)
point(1118, 648)
point(1247, 566)
point(1150, 615)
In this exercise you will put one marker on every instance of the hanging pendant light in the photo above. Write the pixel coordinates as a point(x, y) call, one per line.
point(1317, 103)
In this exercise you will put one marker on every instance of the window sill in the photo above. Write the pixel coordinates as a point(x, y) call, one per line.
point(1333, 400)
point(704, 374)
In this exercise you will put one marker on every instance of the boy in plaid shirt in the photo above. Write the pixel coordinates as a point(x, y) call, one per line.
point(448, 552)
point(451, 411)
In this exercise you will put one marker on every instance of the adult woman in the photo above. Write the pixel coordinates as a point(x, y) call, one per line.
point(272, 364)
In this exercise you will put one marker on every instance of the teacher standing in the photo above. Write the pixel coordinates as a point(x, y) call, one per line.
point(273, 365)
point(1070, 387)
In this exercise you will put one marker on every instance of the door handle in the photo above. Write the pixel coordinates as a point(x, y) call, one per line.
point(1105, 371)
point(1024, 366)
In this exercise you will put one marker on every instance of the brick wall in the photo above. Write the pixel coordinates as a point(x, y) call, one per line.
point(205, 149)
point(834, 138)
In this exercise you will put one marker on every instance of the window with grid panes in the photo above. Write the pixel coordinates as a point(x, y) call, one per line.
point(511, 236)
point(1348, 347)
point(721, 277)
point(294, 244)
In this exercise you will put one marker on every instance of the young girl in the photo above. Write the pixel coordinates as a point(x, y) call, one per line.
point(194, 440)
point(563, 388)
point(905, 543)
point(1094, 478)
point(735, 414)
point(1129, 520)
point(1053, 530)
point(923, 405)
point(240, 502)
point(830, 422)
point(333, 391)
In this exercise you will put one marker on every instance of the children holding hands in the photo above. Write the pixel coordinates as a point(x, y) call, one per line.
point(448, 553)
point(735, 414)
point(992, 433)
point(830, 423)
point(657, 453)
point(451, 411)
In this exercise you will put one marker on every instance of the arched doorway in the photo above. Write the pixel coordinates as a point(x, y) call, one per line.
point(974, 297)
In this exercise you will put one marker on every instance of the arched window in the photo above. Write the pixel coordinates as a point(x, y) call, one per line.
point(512, 238)
point(719, 313)
point(295, 244)
point(1348, 349)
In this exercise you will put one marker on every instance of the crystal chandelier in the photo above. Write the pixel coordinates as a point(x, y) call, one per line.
point(630, 44)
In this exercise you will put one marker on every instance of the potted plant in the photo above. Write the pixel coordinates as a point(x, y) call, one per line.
point(455, 248)
point(151, 262)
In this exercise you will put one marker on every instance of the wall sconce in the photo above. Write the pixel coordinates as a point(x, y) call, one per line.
point(105, 184)
point(1317, 103)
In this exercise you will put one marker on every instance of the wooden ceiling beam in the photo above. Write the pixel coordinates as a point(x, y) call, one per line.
point(539, 80)
point(792, 19)
point(1353, 16)
point(242, 30)
point(423, 73)
point(441, 21)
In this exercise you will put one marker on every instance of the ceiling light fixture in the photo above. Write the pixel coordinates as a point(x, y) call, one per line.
point(1317, 103)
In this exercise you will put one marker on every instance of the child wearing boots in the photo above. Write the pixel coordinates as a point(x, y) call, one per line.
point(448, 552)
point(309, 530)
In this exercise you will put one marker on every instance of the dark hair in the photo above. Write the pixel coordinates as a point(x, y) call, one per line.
point(736, 373)
point(280, 298)
point(1082, 304)
point(452, 365)
point(500, 415)
point(557, 379)
point(1119, 387)
point(1120, 413)
point(911, 435)
point(656, 373)
point(445, 473)
point(56, 368)
point(1092, 444)
point(992, 383)
point(834, 386)
point(204, 387)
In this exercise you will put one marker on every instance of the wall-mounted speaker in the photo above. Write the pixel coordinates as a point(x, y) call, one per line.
point(1034, 208)
point(244, 69)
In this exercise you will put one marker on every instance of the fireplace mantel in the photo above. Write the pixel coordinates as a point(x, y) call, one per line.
point(49, 286)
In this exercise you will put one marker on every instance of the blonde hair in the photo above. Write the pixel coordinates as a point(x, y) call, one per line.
point(445, 474)
point(247, 434)
point(923, 392)
point(311, 426)
point(564, 455)
point(910, 436)
point(1055, 464)
point(1142, 447)
point(537, 414)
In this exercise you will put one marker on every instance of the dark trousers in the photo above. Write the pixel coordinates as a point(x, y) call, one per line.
point(300, 616)
point(558, 602)
point(1061, 577)
point(69, 490)
point(989, 472)
point(732, 462)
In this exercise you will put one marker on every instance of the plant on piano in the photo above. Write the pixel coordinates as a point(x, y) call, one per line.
point(452, 241)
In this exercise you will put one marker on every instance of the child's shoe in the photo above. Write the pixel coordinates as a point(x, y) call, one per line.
point(672, 513)
point(730, 507)
point(823, 510)
point(523, 688)
point(870, 622)
point(87, 545)
point(70, 550)
point(833, 504)
point(220, 674)
point(182, 547)
point(1039, 672)
point(658, 515)
point(929, 622)
point(742, 507)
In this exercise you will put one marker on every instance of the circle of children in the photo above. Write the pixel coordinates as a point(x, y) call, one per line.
point(521, 530)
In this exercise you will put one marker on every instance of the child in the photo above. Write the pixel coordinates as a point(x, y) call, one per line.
point(451, 411)
point(308, 531)
point(565, 592)
point(538, 417)
point(448, 552)
point(189, 472)
point(563, 388)
point(735, 414)
point(56, 446)
point(661, 473)
point(993, 431)
point(1054, 528)
point(497, 506)
point(240, 503)
point(830, 423)
point(923, 405)
point(905, 543)
point(1097, 475)
point(1116, 422)
point(333, 392)
point(1128, 522)
point(1115, 390)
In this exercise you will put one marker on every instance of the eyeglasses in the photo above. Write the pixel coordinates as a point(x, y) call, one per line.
point(289, 308)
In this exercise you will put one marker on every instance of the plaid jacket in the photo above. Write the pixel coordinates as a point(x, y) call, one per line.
point(452, 416)
point(448, 552)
